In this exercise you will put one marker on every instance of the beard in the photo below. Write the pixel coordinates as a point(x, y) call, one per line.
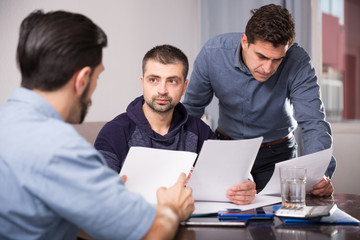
point(80, 108)
point(84, 104)
point(160, 108)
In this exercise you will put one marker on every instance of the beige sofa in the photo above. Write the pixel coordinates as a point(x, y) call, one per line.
point(89, 130)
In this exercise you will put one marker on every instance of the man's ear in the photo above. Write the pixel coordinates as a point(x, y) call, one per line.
point(82, 79)
point(244, 41)
point(142, 82)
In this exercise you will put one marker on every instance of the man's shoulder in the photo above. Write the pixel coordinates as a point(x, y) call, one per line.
point(63, 133)
point(297, 53)
point(43, 141)
point(120, 121)
point(122, 118)
point(121, 124)
point(225, 40)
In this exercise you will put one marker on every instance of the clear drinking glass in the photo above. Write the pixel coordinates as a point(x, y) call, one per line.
point(293, 181)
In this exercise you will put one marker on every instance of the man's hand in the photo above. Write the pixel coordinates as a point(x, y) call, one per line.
point(243, 193)
point(189, 176)
point(323, 188)
point(123, 178)
point(178, 198)
point(175, 204)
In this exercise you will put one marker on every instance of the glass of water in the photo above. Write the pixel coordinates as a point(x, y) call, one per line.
point(293, 181)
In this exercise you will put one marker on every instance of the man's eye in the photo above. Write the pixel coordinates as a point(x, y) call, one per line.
point(152, 79)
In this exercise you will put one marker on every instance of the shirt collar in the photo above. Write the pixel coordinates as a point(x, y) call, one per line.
point(39, 103)
point(239, 63)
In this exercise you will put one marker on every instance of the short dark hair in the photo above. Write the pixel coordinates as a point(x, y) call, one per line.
point(271, 23)
point(167, 54)
point(53, 46)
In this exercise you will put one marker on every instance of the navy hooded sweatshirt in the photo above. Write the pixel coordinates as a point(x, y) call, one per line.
point(186, 133)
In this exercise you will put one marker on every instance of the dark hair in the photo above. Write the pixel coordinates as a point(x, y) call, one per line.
point(53, 46)
point(167, 54)
point(271, 23)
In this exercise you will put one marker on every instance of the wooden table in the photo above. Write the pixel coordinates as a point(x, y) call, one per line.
point(275, 229)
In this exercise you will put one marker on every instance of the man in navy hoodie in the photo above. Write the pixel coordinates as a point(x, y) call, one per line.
point(158, 119)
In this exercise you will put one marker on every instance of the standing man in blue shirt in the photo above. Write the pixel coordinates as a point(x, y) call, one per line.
point(267, 87)
point(52, 181)
point(158, 119)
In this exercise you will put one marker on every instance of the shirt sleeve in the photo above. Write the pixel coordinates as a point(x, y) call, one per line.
point(199, 92)
point(309, 111)
point(77, 186)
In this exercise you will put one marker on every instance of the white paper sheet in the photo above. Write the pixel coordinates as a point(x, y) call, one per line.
point(147, 169)
point(204, 207)
point(315, 164)
point(220, 165)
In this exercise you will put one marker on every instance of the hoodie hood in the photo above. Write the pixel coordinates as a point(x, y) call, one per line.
point(180, 117)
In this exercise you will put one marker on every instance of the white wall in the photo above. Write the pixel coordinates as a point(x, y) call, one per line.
point(133, 27)
point(346, 150)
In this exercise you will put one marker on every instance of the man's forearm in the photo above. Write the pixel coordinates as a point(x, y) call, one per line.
point(165, 224)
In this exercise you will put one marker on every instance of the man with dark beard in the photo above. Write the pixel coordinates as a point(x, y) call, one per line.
point(158, 119)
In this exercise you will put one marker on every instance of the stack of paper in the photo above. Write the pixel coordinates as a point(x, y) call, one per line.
point(208, 207)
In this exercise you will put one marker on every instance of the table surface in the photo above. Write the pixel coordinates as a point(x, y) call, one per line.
point(275, 229)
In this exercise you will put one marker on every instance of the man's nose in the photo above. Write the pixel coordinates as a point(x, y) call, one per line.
point(162, 89)
point(267, 66)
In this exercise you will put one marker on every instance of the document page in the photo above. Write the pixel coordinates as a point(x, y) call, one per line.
point(148, 169)
point(221, 164)
point(204, 207)
point(315, 164)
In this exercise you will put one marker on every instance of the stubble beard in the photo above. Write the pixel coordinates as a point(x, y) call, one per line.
point(160, 108)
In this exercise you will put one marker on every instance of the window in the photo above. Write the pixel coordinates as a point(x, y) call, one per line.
point(341, 59)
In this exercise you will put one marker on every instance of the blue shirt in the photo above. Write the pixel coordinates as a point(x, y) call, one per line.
point(52, 181)
point(249, 108)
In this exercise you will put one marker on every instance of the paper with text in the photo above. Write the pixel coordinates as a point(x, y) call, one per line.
point(221, 164)
point(205, 207)
point(148, 169)
point(315, 164)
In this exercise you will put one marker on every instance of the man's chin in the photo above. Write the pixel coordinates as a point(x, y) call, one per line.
point(162, 108)
point(262, 78)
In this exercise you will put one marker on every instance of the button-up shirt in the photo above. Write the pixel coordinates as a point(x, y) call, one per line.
point(52, 181)
point(249, 108)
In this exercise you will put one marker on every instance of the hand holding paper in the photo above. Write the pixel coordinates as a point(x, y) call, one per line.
point(315, 163)
point(178, 198)
point(243, 193)
point(323, 188)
